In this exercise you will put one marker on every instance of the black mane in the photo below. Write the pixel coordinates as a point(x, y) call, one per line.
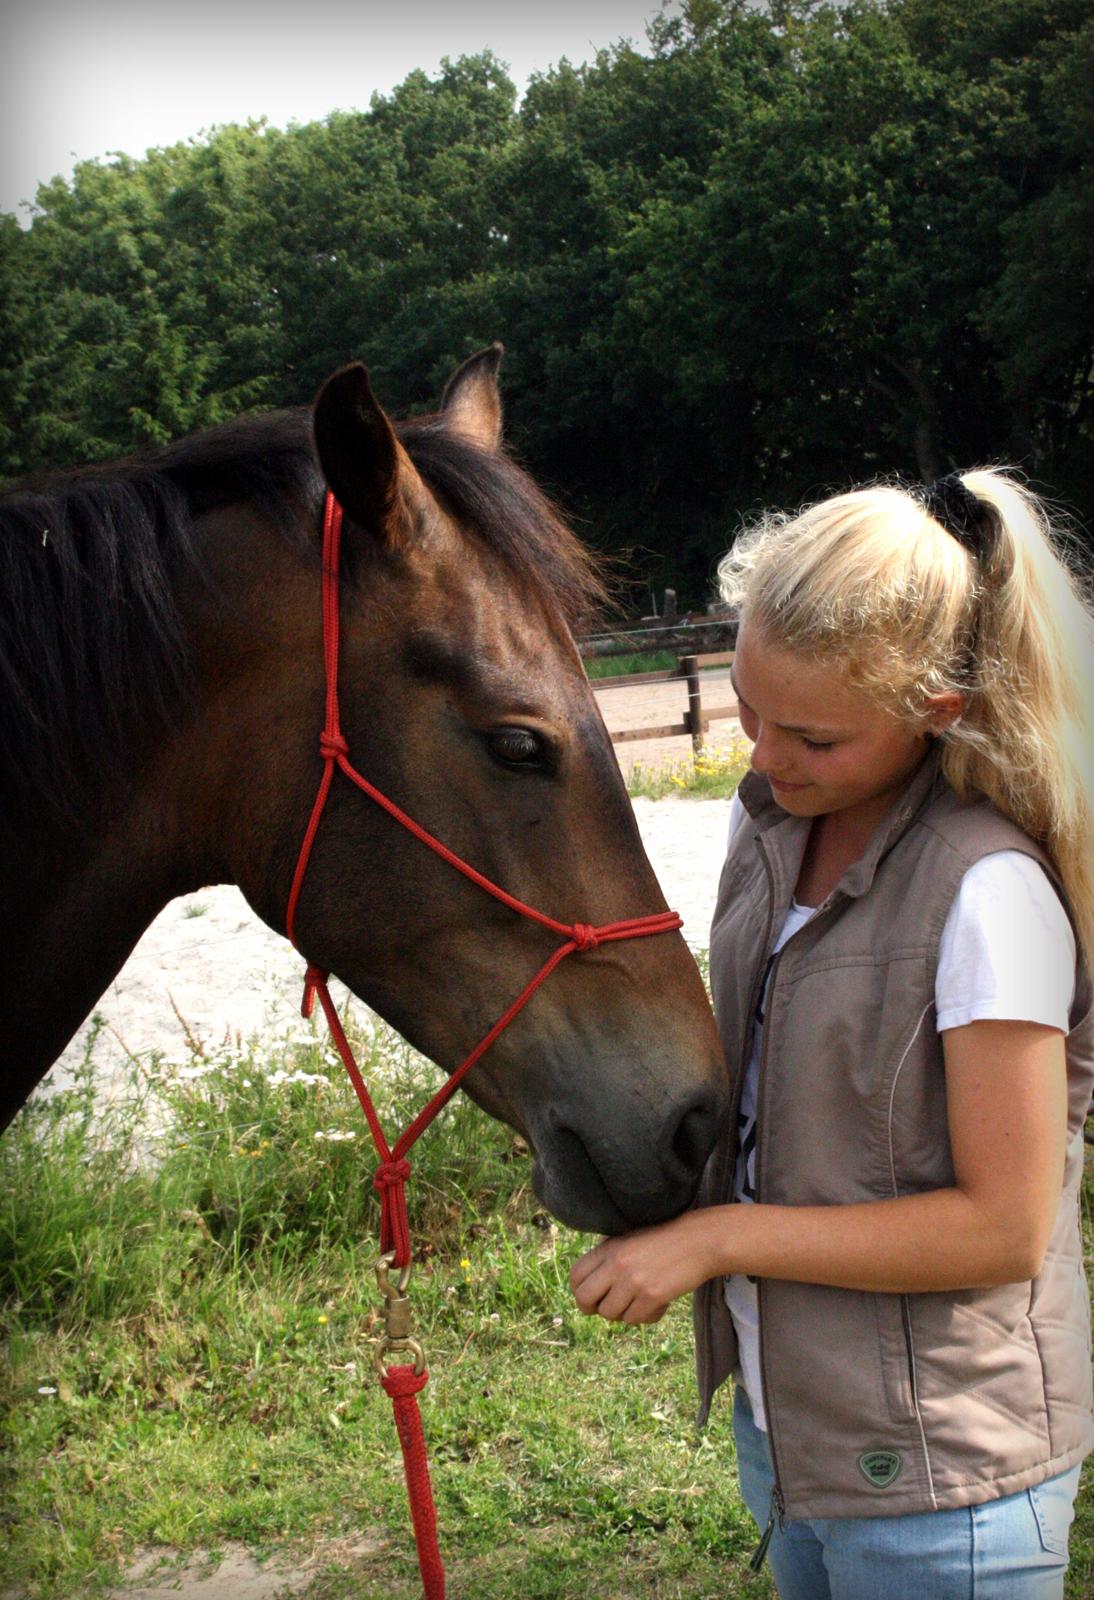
point(92, 647)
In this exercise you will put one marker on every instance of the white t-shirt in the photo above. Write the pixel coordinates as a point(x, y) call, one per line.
point(1007, 952)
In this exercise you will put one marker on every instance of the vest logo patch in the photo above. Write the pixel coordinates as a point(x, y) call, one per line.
point(880, 1468)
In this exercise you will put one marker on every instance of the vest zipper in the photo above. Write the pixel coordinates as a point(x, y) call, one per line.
point(760, 1552)
point(778, 1503)
point(757, 990)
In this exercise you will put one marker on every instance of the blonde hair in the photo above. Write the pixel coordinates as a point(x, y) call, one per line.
point(870, 581)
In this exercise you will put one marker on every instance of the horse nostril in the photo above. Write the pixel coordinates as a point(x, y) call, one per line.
point(696, 1132)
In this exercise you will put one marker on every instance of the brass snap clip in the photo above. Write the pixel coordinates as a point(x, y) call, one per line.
point(397, 1323)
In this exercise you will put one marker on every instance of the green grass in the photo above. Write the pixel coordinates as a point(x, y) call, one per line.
point(188, 1319)
point(710, 775)
point(636, 661)
point(188, 1328)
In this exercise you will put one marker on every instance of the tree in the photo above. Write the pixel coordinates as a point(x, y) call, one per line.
point(777, 251)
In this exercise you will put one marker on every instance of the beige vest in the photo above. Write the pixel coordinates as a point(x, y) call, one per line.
point(880, 1404)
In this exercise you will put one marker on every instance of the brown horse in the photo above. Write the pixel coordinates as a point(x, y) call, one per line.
point(161, 675)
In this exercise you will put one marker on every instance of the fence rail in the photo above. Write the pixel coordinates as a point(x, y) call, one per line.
point(703, 633)
point(697, 717)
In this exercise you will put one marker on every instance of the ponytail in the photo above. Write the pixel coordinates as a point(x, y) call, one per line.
point(1027, 738)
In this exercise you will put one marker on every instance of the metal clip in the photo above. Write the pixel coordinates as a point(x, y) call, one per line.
point(397, 1319)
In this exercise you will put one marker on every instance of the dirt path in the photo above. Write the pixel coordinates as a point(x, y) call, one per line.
point(233, 1573)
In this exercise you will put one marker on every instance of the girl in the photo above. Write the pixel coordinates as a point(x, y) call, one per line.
point(887, 1254)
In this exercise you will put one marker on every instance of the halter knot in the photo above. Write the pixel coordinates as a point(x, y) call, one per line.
point(390, 1173)
point(332, 745)
point(584, 937)
point(314, 978)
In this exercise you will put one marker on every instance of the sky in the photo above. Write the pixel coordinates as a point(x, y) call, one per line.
point(81, 79)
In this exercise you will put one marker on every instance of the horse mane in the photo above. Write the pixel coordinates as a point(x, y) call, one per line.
point(93, 651)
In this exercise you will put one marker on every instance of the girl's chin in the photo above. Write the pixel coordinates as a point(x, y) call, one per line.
point(800, 801)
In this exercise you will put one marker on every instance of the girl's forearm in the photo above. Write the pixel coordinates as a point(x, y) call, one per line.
point(940, 1240)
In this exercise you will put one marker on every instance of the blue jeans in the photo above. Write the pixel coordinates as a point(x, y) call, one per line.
point(1009, 1549)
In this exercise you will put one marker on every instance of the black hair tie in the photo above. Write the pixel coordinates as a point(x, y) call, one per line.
point(970, 520)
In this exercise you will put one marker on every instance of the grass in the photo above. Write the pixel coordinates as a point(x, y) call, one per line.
point(636, 661)
point(188, 1315)
point(710, 775)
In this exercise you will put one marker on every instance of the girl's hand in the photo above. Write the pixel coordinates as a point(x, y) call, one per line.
point(635, 1277)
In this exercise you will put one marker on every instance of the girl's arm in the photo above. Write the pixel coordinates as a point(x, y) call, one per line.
point(1006, 1091)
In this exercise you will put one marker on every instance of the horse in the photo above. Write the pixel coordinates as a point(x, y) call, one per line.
point(162, 688)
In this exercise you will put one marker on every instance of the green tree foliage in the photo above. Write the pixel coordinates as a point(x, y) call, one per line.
point(771, 253)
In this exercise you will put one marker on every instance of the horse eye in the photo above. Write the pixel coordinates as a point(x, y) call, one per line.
point(515, 747)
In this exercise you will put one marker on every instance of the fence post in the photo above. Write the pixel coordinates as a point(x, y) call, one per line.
point(689, 667)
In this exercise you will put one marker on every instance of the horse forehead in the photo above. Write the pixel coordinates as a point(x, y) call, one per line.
point(477, 600)
point(499, 656)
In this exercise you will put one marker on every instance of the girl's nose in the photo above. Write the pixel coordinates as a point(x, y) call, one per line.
point(761, 750)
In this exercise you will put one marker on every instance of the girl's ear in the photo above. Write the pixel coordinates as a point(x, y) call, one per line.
point(943, 710)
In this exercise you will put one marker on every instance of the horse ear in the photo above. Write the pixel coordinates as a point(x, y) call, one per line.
point(361, 458)
point(471, 403)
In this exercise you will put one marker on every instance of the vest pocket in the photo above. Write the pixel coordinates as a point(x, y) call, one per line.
point(895, 1356)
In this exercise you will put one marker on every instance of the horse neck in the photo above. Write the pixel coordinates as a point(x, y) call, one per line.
point(74, 900)
point(72, 904)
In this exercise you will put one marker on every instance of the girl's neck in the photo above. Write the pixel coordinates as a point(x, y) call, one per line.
point(836, 841)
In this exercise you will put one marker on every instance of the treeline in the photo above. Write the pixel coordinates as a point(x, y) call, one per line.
point(771, 253)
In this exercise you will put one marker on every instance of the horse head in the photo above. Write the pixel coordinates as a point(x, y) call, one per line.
point(464, 699)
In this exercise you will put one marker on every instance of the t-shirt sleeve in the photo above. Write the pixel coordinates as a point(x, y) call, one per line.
point(1008, 948)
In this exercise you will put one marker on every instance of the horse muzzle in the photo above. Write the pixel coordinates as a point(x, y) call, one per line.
point(608, 1175)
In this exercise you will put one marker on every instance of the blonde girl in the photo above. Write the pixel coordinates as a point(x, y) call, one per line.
point(887, 1255)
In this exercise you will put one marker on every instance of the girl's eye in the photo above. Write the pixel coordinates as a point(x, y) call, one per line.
point(813, 744)
point(515, 747)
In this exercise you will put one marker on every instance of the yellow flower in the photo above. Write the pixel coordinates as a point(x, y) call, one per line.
point(321, 1319)
point(465, 1264)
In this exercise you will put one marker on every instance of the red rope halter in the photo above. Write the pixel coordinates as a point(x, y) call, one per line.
point(390, 1177)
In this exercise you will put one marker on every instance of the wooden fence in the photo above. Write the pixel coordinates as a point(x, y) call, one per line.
point(682, 635)
point(697, 717)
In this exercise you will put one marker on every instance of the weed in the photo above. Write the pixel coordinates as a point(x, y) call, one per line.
point(711, 774)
